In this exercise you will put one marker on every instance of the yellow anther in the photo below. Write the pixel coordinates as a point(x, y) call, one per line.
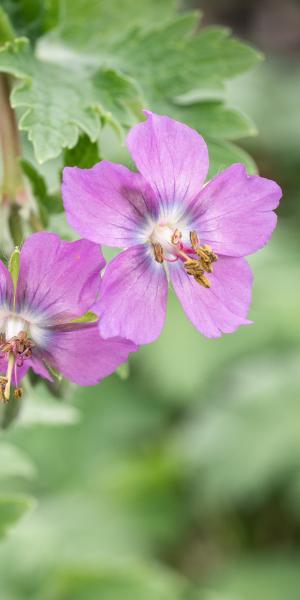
point(158, 253)
point(194, 240)
point(195, 269)
point(176, 236)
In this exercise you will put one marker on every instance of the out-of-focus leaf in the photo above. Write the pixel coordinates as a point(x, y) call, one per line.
point(214, 120)
point(223, 154)
point(261, 411)
point(123, 371)
point(14, 462)
point(209, 58)
point(59, 103)
point(48, 203)
point(40, 408)
point(29, 17)
point(252, 92)
point(12, 508)
point(136, 583)
point(201, 594)
point(273, 577)
point(185, 372)
point(6, 30)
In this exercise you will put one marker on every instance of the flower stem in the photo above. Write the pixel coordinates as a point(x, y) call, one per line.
point(12, 187)
point(12, 181)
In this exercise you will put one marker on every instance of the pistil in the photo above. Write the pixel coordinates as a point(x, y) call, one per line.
point(10, 366)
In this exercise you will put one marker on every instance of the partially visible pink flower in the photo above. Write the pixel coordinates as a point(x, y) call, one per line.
point(58, 282)
point(173, 226)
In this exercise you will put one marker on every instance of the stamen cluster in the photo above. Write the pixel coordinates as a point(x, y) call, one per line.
point(195, 267)
point(20, 346)
point(17, 349)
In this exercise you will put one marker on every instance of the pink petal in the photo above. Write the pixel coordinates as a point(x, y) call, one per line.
point(83, 357)
point(6, 286)
point(133, 297)
point(234, 212)
point(171, 156)
point(39, 367)
point(107, 204)
point(58, 279)
point(224, 306)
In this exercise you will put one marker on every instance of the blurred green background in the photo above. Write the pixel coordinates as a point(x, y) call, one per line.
point(181, 481)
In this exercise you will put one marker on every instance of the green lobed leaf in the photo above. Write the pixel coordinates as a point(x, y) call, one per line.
point(180, 72)
point(58, 104)
point(214, 120)
point(168, 63)
point(187, 61)
point(105, 20)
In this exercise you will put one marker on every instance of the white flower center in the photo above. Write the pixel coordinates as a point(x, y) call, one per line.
point(11, 324)
point(162, 234)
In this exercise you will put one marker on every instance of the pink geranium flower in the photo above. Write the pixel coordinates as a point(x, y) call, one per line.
point(58, 282)
point(174, 227)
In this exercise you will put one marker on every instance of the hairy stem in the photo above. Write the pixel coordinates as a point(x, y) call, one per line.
point(12, 179)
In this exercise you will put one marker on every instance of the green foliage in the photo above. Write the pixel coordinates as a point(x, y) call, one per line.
point(48, 203)
point(57, 104)
point(12, 508)
point(105, 20)
point(114, 584)
point(40, 408)
point(105, 72)
point(14, 268)
point(273, 577)
point(6, 30)
point(14, 462)
point(84, 155)
point(27, 16)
